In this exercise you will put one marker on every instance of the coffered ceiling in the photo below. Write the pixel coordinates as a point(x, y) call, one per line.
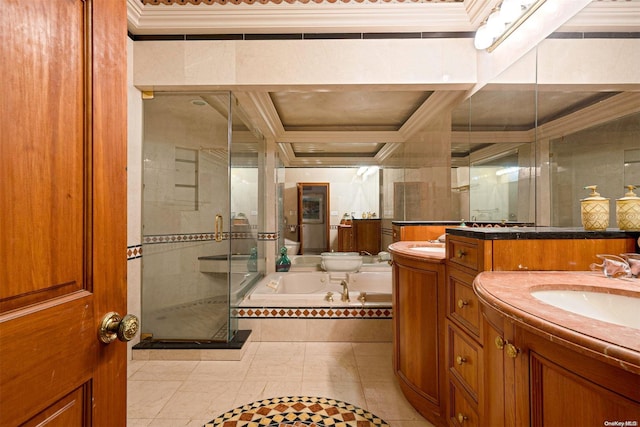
point(320, 126)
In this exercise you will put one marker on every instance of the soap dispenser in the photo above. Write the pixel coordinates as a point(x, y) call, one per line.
point(594, 210)
point(628, 210)
point(252, 262)
point(284, 263)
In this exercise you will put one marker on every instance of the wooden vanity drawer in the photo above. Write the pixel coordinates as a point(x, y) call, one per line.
point(461, 412)
point(463, 359)
point(465, 253)
point(463, 306)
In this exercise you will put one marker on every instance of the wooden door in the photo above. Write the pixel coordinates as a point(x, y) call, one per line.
point(314, 196)
point(62, 211)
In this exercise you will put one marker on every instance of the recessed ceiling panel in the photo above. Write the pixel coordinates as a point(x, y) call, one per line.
point(352, 110)
point(497, 108)
point(353, 149)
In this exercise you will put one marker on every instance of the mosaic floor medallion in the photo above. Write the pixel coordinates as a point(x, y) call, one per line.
point(297, 411)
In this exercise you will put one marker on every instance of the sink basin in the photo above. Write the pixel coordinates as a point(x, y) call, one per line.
point(428, 250)
point(341, 261)
point(612, 308)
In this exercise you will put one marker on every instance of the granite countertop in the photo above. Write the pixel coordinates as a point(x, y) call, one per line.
point(524, 233)
point(408, 249)
point(459, 223)
point(510, 294)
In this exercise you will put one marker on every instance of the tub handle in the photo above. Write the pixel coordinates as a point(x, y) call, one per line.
point(362, 297)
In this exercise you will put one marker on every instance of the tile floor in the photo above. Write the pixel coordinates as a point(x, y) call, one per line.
point(191, 393)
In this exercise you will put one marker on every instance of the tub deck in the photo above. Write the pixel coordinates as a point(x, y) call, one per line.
point(281, 312)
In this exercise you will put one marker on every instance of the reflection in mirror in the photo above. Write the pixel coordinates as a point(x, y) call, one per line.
point(460, 150)
point(496, 127)
point(632, 166)
point(605, 155)
point(353, 192)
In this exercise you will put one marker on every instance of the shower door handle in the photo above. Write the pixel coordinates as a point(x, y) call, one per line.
point(218, 228)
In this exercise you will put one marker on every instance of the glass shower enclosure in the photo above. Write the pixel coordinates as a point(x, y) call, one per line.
point(201, 216)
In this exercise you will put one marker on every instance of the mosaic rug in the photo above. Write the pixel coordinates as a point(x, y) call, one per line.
point(297, 411)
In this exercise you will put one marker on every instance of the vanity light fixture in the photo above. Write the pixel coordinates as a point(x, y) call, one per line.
point(502, 21)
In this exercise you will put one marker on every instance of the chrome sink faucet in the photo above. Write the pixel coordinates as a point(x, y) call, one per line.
point(345, 291)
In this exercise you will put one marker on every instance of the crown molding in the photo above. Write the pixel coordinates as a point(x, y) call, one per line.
point(272, 18)
point(604, 111)
point(340, 136)
point(493, 137)
point(436, 104)
point(260, 104)
point(600, 16)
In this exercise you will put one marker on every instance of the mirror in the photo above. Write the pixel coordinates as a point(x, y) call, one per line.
point(351, 191)
point(313, 217)
point(605, 155)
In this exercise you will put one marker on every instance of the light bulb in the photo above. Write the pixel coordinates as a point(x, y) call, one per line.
point(483, 37)
point(495, 23)
point(510, 10)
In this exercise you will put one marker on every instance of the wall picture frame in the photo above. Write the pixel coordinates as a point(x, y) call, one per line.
point(313, 208)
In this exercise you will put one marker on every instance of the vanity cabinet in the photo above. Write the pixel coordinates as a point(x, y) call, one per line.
point(475, 365)
point(406, 233)
point(463, 343)
point(363, 235)
point(345, 238)
point(367, 235)
point(418, 322)
point(532, 380)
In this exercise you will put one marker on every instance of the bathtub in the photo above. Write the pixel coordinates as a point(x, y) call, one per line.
point(322, 288)
point(295, 306)
point(313, 263)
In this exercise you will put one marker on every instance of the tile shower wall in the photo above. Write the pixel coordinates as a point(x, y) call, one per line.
point(185, 186)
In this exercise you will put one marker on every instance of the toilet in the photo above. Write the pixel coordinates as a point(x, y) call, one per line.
point(292, 247)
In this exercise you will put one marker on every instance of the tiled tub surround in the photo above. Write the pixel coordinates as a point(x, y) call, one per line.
point(277, 310)
point(510, 294)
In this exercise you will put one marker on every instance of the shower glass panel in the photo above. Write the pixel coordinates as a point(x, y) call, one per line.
point(246, 212)
point(186, 217)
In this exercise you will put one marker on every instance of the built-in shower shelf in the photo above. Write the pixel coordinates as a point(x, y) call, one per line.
point(220, 263)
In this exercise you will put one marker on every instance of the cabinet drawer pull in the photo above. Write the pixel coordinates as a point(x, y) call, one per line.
point(499, 342)
point(511, 350)
point(462, 418)
point(462, 303)
point(460, 253)
point(460, 360)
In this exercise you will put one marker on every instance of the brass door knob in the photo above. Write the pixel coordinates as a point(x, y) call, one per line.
point(499, 342)
point(462, 303)
point(511, 350)
point(462, 418)
point(460, 360)
point(460, 253)
point(114, 326)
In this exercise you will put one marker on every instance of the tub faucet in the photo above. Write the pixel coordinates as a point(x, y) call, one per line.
point(345, 291)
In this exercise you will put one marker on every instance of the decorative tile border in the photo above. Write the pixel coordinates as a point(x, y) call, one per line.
point(203, 237)
point(382, 312)
point(134, 251)
point(268, 236)
point(173, 238)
